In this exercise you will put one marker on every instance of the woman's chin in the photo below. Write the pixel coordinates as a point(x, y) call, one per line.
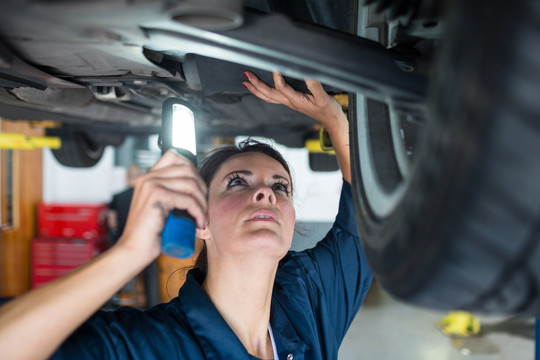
point(268, 241)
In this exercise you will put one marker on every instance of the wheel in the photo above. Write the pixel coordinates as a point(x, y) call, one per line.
point(78, 149)
point(449, 214)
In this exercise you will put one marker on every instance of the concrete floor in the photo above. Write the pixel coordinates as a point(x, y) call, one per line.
point(386, 329)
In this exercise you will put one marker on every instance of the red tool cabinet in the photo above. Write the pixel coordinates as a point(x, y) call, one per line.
point(54, 257)
point(68, 236)
point(86, 221)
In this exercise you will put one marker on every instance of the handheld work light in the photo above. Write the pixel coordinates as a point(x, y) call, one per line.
point(178, 132)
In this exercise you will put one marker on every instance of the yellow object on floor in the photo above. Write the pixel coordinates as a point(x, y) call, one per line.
point(459, 323)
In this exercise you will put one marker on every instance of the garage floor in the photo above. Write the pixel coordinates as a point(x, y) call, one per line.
point(389, 330)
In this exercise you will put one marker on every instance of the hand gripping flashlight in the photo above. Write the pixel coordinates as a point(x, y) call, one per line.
point(178, 132)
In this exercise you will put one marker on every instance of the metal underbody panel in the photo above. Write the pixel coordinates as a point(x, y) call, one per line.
point(133, 56)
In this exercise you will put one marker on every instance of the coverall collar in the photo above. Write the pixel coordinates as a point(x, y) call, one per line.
point(217, 338)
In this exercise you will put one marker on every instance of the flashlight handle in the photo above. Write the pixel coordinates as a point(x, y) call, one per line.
point(178, 236)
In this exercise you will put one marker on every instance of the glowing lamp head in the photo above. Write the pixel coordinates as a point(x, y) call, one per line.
point(178, 128)
point(183, 128)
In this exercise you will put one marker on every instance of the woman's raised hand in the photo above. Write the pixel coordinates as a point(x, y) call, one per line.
point(172, 183)
point(318, 105)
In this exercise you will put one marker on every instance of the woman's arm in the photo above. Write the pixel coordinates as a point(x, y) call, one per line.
point(317, 105)
point(34, 325)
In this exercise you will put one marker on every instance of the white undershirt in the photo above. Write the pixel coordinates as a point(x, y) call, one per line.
point(276, 357)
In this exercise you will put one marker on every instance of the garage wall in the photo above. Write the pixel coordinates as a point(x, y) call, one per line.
point(93, 185)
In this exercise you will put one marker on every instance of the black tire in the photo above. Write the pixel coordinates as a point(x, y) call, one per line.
point(78, 149)
point(463, 230)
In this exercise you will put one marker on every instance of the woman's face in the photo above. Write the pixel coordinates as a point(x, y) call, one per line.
point(250, 207)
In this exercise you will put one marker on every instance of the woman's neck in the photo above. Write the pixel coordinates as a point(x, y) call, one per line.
point(242, 292)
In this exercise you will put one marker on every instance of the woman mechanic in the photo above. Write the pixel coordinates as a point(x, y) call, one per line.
point(255, 300)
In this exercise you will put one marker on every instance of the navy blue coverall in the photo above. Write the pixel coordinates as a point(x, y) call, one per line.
point(317, 293)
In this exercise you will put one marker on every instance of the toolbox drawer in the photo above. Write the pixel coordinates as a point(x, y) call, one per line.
point(86, 221)
point(54, 257)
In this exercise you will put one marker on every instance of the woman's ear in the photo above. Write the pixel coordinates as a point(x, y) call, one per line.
point(203, 233)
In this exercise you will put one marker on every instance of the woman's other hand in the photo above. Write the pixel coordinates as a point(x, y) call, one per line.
point(318, 105)
point(172, 183)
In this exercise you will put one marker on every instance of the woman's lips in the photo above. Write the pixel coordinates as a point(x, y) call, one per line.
point(263, 215)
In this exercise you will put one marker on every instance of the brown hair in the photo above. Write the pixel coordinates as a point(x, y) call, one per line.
point(212, 162)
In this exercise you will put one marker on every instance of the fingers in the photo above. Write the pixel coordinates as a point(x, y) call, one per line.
point(282, 93)
point(318, 104)
point(173, 183)
point(316, 88)
point(174, 187)
point(181, 201)
point(170, 157)
point(184, 186)
point(263, 91)
point(258, 93)
point(177, 171)
point(295, 98)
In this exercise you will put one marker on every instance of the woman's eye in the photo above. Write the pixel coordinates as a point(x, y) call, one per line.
point(235, 182)
point(281, 187)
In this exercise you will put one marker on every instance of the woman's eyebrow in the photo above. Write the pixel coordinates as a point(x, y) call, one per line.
point(241, 172)
point(249, 173)
point(280, 177)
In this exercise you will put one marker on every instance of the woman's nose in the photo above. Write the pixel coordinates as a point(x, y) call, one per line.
point(264, 193)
